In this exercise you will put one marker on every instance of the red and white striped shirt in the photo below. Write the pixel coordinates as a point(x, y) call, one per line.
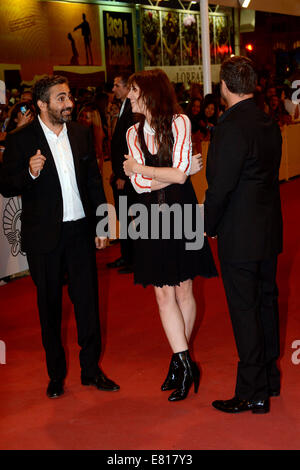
point(182, 149)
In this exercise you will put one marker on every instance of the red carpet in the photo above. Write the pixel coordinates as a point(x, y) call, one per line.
point(136, 355)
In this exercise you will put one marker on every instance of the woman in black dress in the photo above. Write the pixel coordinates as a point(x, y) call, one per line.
point(158, 165)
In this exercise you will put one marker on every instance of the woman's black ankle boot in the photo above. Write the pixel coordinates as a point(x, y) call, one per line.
point(188, 374)
point(171, 380)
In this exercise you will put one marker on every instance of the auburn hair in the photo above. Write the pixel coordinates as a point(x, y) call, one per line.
point(159, 97)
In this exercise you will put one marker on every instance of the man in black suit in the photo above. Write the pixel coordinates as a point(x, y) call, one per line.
point(120, 183)
point(51, 163)
point(243, 209)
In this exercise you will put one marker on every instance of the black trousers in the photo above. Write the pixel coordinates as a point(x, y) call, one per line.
point(74, 254)
point(252, 297)
point(126, 245)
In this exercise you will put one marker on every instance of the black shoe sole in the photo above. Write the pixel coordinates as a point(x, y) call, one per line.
point(55, 396)
point(254, 411)
point(88, 383)
point(260, 412)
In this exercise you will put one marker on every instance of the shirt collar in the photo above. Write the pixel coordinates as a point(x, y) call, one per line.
point(148, 129)
point(224, 115)
point(49, 133)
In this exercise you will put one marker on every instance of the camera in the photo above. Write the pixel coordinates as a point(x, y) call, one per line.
point(24, 108)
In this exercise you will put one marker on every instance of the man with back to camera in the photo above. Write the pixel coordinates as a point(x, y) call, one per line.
point(243, 209)
point(51, 163)
point(120, 184)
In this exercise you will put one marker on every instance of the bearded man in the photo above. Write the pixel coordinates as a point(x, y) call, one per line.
point(51, 163)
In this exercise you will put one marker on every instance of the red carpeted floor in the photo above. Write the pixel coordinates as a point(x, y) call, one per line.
point(136, 355)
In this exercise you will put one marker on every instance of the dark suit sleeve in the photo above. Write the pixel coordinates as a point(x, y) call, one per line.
point(15, 178)
point(119, 146)
point(224, 166)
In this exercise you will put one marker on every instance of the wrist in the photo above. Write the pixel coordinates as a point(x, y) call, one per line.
point(137, 168)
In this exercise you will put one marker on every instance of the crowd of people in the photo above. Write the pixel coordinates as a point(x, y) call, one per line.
point(204, 111)
point(152, 142)
point(98, 108)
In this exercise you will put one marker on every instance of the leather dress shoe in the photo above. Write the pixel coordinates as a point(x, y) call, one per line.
point(118, 263)
point(101, 382)
point(235, 405)
point(55, 388)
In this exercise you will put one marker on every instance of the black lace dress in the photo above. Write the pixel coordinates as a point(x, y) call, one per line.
point(166, 259)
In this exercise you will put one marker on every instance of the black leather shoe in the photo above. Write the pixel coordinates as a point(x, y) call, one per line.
point(235, 405)
point(188, 374)
point(101, 382)
point(118, 263)
point(170, 381)
point(55, 388)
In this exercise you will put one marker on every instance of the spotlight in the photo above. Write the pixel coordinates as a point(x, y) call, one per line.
point(244, 3)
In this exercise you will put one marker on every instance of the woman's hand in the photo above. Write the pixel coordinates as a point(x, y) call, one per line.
point(129, 165)
point(197, 164)
point(100, 242)
point(24, 118)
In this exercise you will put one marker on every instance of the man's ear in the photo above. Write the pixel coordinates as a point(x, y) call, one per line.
point(224, 85)
point(42, 105)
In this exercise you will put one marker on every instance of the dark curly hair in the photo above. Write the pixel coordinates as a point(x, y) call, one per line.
point(41, 89)
point(159, 97)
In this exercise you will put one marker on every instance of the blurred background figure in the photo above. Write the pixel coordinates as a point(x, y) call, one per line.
point(20, 114)
point(291, 107)
point(89, 116)
point(278, 112)
point(208, 116)
point(193, 111)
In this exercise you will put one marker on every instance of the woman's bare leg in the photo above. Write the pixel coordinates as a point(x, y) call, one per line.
point(171, 318)
point(187, 305)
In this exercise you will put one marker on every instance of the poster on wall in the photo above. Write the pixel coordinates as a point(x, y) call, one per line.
point(190, 39)
point(223, 47)
point(12, 259)
point(118, 37)
point(39, 35)
point(77, 33)
point(171, 38)
point(151, 37)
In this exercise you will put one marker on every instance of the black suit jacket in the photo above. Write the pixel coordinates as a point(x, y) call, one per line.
point(42, 204)
point(242, 204)
point(119, 146)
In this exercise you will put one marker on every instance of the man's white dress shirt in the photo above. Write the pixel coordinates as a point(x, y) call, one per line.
point(62, 154)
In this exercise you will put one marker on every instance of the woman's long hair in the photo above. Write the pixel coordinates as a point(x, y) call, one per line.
point(159, 97)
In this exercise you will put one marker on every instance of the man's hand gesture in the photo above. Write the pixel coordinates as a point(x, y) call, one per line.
point(36, 163)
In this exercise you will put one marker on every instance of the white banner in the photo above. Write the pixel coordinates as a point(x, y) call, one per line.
point(188, 73)
point(12, 260)
point(2, 92)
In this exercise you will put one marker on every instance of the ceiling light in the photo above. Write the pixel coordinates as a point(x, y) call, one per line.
point(244, 3)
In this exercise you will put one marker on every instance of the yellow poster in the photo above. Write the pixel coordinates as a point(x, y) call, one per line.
point(39, 35)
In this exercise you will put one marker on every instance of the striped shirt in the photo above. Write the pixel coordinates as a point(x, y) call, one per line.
point(181, 155)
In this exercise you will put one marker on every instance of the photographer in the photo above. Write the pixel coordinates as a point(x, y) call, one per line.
point(21, 113)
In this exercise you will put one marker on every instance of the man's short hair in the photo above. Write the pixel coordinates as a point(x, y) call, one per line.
point(124, 76)
point(41, 89)
point(239, 75)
